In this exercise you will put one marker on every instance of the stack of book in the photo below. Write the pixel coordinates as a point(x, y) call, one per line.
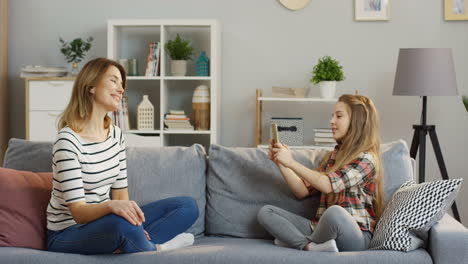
point(177, 120)
point(31, 71)
point(120, 117)
point(152, 62)
point(324, 137)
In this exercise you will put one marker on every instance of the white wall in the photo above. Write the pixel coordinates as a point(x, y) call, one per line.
point(264, 44)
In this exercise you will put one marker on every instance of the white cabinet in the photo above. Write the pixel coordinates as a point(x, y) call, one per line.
point(130, 39)
point(46, 98)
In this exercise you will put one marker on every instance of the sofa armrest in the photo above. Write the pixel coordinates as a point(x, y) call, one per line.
point(448, 241)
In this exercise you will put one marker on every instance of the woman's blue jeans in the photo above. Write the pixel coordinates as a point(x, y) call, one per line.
point(164, 220)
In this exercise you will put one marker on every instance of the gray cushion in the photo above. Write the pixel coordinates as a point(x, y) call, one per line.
point(158, 173)
point(220, 251)
point(28, 155)
point(153, 173)
point(398, 166)
point(241, 180)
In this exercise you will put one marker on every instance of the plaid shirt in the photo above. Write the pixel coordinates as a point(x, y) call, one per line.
point(354, 187)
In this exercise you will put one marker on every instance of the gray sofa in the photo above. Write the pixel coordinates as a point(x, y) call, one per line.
point(230, 185)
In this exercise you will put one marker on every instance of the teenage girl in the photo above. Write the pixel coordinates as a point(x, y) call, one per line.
point(350, 180)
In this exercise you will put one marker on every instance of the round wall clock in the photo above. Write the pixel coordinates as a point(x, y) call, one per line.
point(294, 4)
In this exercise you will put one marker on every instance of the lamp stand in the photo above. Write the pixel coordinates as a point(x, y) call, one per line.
point(419, 140)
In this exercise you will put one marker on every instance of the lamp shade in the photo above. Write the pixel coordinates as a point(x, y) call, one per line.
point(425, 72)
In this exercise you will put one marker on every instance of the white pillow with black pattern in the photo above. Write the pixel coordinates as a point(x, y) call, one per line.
point(411, 212)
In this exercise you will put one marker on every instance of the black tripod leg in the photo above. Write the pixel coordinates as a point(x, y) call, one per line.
point(422, 155)
point(414, 143)
point(443, 169)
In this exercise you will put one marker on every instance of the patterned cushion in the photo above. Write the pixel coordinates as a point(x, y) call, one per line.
point(414, 208)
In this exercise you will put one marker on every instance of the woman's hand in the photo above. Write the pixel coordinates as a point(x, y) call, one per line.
point(147, 235)
point(129, 210)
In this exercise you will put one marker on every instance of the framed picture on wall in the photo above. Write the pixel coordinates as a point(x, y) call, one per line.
point(456, 9)
point(371, 10)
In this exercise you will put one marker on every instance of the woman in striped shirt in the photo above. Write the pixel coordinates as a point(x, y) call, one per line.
point(89, 210)
point(350, 180)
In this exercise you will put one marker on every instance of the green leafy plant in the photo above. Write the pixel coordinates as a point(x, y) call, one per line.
point(327, 69)
point(75, 50)
point(465, 101)
point(179, 49)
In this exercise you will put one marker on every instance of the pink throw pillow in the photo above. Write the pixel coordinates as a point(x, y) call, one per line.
point(24, 197)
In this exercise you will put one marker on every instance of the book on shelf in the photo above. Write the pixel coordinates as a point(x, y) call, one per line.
point(182, 127)
point(324, 130)
point(176, 121)
point(120, 117)
point(31, 71)
point(186, 126)
point(324, 140)
point(324, 134)
point(168, 116)
point(176, 112)
point(152, 61)
point(318, 144)
point(182, 118)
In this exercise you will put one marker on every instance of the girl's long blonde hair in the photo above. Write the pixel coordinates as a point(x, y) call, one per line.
point(80, 107)
point(363, 136)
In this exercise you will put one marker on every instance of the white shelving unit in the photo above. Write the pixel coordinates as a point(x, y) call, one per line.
point(130, 38)
point(259, 100)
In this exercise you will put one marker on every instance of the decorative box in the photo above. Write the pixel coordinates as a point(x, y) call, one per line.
point(290, 130)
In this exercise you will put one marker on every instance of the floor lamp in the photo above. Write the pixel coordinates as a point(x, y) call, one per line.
point(426, 72)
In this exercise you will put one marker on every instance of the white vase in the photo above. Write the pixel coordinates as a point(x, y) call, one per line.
point(178, 67)
point(145, 116)
point(327, 89)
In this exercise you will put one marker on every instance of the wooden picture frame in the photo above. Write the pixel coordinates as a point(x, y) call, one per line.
point(371, 10)
point(456, 9)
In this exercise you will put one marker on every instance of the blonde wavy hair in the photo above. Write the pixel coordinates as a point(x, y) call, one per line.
point(80, 107)
point(363, 136)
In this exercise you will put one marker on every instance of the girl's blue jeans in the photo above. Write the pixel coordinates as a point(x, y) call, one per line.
point(164, 220)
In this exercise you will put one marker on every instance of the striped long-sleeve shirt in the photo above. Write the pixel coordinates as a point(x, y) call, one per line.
point(354, 188)
point(84, 171)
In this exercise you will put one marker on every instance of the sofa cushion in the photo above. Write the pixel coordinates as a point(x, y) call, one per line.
point(153, 173)
point(24, 197)
point(241, 180)
point(158, 173)
point(414, 208)
point(28, 155)
point(398, 166)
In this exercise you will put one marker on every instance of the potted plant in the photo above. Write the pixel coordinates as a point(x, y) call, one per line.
point(75, 51)
point(180, 50)
point(326, 73)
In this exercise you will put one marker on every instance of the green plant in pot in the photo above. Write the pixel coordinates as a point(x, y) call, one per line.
point(180, 50)
point(75, 51)
point(326, 73)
